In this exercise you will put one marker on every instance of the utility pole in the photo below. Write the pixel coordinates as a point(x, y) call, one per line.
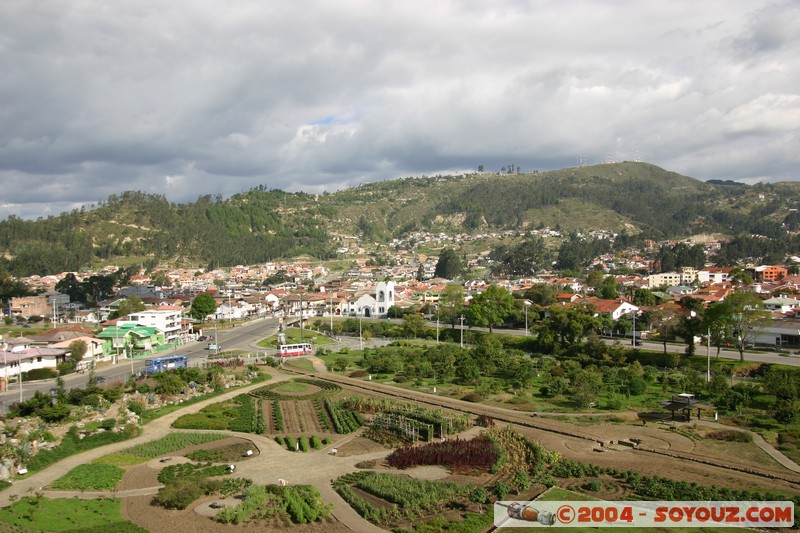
point(708, 356)
point(330, 310)
point(526, 303)
point(461, 319)
point(360, 338)
point(301, 316)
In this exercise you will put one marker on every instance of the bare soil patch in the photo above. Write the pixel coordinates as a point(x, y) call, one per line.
point(269, 417)
point(300, 417)
point(229, 446)
point(359, 446)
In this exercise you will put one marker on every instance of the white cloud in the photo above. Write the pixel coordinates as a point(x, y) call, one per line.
point(195, 97)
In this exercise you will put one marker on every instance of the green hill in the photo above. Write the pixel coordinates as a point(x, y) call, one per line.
point(262, 225)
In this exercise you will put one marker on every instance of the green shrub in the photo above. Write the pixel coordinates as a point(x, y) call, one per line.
point(280, 440)
point(54, 413)
point(180, 493)
point(135, 407)
point(291, 444)
point(39, 373)
point(730, 435)
point(594, 485)
point(303, 442)
point(316, 442)
point(473, 397)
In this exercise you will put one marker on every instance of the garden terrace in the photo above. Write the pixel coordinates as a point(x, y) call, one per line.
point(443, 423)
point(382, 498)
point(297, 389)
point(344, 420)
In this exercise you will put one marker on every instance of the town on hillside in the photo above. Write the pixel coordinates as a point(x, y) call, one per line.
point(629, 289)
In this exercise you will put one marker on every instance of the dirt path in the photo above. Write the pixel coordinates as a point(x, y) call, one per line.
point(154, 430)
point(319, 468)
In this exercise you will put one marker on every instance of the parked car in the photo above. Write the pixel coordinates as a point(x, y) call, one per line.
point(636, 342)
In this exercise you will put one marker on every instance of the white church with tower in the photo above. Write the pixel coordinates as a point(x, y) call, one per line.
point(368, 306)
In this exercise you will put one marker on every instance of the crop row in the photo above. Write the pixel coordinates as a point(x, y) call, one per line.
point(185, 470)
point(412, 494)
point(376, 515)
point(443, 422)
point(244, 415)
point(269, 393)
point(302, 443)
point(172, 443)
point(475, 453)
point(277, 416)
point(324, 421)
point(302, 504)
point(324, 385)
point(344, 420)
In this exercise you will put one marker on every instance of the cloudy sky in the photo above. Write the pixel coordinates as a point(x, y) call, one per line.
point(191, 97)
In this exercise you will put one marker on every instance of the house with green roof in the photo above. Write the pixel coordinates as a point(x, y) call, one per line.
point(131, 340)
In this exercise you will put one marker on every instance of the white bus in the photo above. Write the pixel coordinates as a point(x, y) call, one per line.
point(294, 350)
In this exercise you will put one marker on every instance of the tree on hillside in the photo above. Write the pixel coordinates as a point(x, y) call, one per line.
point(541, 295)
point(131, 304)
point(202, 306)
point(664, 321)
point(77, 349)
point(748, 315)
point(451, 303)
point(522, 259)
point(608, 289)
point(490, 308)
point(718, 322)
point(568, 325)
point(449, 265)
point(413, 324)
point(11, 288)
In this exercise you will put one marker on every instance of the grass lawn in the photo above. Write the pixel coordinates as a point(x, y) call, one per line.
point(119, 459)
point(291, 386)
point(90, 477)
point(302, 364)
point(352, 358)
point(68, 514)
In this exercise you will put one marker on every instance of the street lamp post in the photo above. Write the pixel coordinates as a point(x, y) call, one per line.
point(330, 311)
point(526, 304)
point(708, 356)
point(360, 338)
point(461, 320)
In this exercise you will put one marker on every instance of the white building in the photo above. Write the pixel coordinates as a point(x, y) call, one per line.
point(781, 304)
point(24, 358)
point(167, 321)
point(367, 305)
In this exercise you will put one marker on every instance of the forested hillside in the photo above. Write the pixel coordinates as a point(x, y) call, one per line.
point(637, 199)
